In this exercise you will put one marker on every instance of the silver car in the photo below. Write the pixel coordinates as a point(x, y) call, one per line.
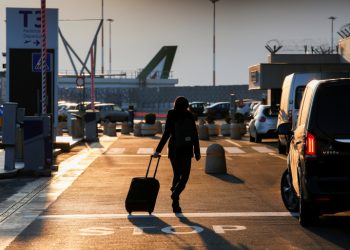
point(111, 112)
point(263, 124)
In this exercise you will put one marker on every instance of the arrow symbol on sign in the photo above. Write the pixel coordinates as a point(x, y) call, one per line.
point(36, 42)
point(27, 41)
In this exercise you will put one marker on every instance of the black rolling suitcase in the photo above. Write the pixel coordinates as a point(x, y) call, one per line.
point(143, 192)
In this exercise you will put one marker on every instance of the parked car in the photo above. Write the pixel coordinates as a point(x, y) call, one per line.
point(317, 179)
point(63, 107)
point(197, 108)
point(111, 112)
point(217, 110)
point(263, 123)
point(243, 107)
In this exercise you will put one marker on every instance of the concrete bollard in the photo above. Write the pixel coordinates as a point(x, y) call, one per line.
point(149, 129)
point(215, 161)
point(125, 128)
point(203, 133)
point(159, 127)
point(109, 129)
point(77, 128)
point(236, 131)
point(137, 129)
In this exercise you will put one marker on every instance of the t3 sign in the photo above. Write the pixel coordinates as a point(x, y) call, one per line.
point(23, 28)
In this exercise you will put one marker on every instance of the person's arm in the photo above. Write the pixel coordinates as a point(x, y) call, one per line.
point(165, 135)
point(197, 151)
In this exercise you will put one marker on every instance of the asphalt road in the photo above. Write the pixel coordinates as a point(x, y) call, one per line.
point(82, 206)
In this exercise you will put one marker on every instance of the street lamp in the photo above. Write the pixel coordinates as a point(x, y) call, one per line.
point(332, 18)
point(214, 77)
point(110, 45)
point(102, 39)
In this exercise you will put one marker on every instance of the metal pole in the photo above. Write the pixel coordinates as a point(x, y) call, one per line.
point(43, 57)
point(214, 45)
point(92, 78)
point(332, 18)
point(102, 42)
point(110, 45)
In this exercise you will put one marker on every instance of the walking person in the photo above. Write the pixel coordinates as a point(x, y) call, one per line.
point(183, 144)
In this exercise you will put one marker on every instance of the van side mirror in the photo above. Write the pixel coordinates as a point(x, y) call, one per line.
point(285, 129)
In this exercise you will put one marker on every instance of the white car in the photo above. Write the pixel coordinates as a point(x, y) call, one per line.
point(263, 124)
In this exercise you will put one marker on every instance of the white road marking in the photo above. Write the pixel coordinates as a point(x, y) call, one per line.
point(234, 143)
point(203, 150)
point(234, 150)
point(145, 151)
point(164, 215)
point(115, 151)
point(263, 149)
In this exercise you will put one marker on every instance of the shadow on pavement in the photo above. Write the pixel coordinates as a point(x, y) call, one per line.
point(179, 233)
point(335, 229)
point(228, 178)
point(210, 239)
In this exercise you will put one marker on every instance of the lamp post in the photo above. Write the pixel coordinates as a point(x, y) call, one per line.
point(332, 18)
point(214, 64)
point(110, 45)
point(102, 40)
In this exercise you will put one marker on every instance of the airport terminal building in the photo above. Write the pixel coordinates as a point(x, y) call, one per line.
point(269, 76)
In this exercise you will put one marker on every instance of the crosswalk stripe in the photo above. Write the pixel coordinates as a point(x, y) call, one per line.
point(115, 151)
point(145, 151)
point(262, 149)
point(234, 150)
point(233, 142)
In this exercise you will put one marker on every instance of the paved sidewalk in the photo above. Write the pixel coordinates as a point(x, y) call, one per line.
point(65, 142)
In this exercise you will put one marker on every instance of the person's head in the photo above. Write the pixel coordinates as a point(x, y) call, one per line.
point(181, 103)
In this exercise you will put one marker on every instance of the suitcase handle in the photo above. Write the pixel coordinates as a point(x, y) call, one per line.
point(149, 165)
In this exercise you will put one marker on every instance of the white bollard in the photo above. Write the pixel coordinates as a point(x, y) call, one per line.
point(215, 161)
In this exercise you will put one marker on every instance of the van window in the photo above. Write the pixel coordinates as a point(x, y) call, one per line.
point(305, 104)
point(333, 109)
point(299, 91)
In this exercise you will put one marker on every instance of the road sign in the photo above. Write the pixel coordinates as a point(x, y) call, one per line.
point(36, 62)
point(23, 28)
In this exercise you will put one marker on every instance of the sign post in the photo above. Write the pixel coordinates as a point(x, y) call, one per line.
point(43, 56)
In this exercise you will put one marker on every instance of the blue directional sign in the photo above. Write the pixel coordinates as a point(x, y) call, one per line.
point(36, 62)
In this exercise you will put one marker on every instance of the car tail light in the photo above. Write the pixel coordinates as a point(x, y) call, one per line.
point(262, 119)
point(310, 144)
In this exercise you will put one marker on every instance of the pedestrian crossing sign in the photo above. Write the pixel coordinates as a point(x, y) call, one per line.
point(36, 62)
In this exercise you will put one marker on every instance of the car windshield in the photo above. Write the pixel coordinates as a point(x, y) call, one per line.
point(270, 112)
point(333, 110)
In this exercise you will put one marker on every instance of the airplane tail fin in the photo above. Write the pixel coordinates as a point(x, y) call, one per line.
point(160, 65)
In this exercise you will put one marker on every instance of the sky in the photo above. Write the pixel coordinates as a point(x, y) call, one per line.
point(141, 27)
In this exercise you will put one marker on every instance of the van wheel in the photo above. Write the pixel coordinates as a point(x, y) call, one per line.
point(288, 194)
point(308, 213)
point(282, 149)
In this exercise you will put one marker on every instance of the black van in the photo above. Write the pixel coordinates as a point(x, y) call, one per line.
point(317, 179)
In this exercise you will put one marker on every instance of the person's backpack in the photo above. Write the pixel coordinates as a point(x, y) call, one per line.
point(184, 133)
